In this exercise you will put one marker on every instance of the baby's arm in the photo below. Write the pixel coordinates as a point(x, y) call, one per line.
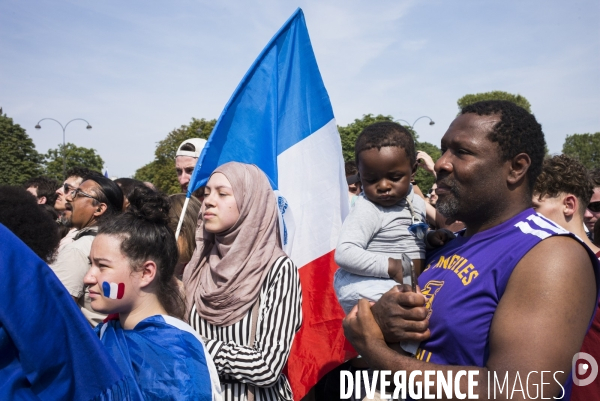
point(358, 229)
point(398, 268)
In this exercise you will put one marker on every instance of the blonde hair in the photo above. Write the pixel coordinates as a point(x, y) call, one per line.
point(187, 237)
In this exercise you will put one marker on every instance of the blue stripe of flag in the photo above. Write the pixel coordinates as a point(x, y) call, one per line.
point(280, 101)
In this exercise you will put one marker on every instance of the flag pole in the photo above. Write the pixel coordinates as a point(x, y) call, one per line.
point(185, 205)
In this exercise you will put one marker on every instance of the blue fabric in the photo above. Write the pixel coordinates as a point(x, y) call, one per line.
point(160, 360)
point(48, 351)
point(280, 101)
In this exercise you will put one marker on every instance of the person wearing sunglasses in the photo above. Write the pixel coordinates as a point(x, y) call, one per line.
point(592, 213)
point(74, 177)
point(96, 199)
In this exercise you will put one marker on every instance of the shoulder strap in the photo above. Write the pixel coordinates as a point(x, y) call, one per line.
point(85, 233)
point(251, 389)
point(415, 217)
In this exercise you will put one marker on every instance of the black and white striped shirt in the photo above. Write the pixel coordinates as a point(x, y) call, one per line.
point(279, 318)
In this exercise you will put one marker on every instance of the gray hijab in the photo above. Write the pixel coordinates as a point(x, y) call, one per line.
point(227, 269)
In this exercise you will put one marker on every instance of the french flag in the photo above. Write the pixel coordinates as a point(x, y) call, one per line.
point(113, 290)
point(280, 119)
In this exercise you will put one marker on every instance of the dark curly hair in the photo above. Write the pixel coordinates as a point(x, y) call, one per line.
point(21, 214)
point(595, 177)
point(386, 133)
point(45, 187)
point(146, 235)
point(517, 132)
point(79, 171)
point(564, 175)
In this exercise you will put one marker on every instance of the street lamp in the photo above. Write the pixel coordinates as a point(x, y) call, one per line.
point(64, 128)
point(431, 122)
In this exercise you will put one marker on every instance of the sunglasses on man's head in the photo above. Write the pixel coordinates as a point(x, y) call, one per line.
point(79, 192)
point(594, 207)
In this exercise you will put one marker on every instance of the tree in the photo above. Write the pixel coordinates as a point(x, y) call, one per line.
point(20, 161)
point(161, 171)
point(75, 155)
point(494, 95)
point(350, 132)
point(585, 148)
point(424, 179)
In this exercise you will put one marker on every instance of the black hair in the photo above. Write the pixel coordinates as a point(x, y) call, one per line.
point(145, 233)
point(350, 167)
point(386, 133)
point(188, 147)
point(108, 193)
point(21, 214)
point(517, 132)
point(128, 185)
point(79, 171)
point(45, 187)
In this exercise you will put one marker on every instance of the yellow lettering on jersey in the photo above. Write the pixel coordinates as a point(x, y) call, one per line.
point(472, 275)
point(455, 263)
point(443, 262)
point(429, 290)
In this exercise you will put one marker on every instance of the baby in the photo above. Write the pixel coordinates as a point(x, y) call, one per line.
point(382, 241)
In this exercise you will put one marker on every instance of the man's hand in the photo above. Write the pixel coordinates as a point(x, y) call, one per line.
point(360, 328)
point(401, 315)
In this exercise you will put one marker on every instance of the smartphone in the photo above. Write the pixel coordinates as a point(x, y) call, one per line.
point(413, 276)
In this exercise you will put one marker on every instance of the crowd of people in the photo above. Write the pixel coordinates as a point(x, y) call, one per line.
point(494, 269)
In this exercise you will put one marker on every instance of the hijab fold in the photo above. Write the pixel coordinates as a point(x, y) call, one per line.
point(224, 276)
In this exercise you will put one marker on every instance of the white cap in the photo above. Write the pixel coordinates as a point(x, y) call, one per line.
point(198, 144)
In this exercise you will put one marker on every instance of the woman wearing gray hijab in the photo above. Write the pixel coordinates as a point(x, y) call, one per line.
point(243, 292)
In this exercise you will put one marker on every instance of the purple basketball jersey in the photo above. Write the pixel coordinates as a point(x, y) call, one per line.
point(464, 281)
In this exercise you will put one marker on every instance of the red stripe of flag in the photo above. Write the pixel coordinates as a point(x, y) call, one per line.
point(320, 345)
point(120, 290)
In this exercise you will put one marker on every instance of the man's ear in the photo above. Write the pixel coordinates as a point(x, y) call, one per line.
point(100, 209)
point(570, 205)
point(149, 270)
point(42, 200)
point(519, 165)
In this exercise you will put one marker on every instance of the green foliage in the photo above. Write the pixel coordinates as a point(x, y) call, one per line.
point(494, 95)
point(424, 179)
point(350, 132)
point(161, 171)
point(19, 160)
point(75, 155)
point(585, 148)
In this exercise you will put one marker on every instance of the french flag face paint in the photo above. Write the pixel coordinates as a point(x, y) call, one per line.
point(113, 290)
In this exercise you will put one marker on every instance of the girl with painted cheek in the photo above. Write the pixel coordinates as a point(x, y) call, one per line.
point(131, 277)
point(243, 292)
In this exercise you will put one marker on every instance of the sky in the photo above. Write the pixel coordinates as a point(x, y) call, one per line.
point(136, 70)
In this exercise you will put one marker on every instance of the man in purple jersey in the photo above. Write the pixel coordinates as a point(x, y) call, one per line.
point(513, 294)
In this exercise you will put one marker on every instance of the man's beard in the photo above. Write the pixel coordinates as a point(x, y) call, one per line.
point(449, 204)
point(65, 221)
